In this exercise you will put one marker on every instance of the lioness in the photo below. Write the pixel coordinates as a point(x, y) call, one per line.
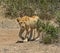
point(29, 24)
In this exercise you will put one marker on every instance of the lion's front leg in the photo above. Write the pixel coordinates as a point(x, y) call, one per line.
point(36, 34)
point(30, 34)
point(21, 32)
point(20, 36)
point(26, 35)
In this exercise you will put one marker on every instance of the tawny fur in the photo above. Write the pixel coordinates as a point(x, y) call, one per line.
point(27, 23)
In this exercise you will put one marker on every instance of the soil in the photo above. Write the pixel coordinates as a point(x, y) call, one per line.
point(8, 38)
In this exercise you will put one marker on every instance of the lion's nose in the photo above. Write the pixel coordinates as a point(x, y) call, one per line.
point(22, 26)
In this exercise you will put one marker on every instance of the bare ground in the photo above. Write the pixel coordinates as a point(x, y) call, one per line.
point(8, 38)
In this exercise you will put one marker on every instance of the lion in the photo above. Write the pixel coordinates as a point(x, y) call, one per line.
point(28, 24)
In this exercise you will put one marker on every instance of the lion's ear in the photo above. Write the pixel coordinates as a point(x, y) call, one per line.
point(18, 19)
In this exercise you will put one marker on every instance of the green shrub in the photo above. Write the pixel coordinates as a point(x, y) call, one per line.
point(40, 25)
point(44, 8)
point(47, 39)
point(15, 8)
point(51, 35)
point(58, 20)
point(26, 11)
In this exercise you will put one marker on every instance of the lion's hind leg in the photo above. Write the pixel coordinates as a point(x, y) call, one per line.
point(36, 35)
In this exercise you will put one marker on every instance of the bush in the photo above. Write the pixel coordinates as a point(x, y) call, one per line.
point(15, 8)
point(58, 20)
point(47, 39)
point(26, 11)
point(50, 33)
point(44, 8)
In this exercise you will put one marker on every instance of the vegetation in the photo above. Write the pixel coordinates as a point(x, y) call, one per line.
point(40, 7)
point(50, 33)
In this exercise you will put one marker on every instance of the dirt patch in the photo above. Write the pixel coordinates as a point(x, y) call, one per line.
point(8, 38)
